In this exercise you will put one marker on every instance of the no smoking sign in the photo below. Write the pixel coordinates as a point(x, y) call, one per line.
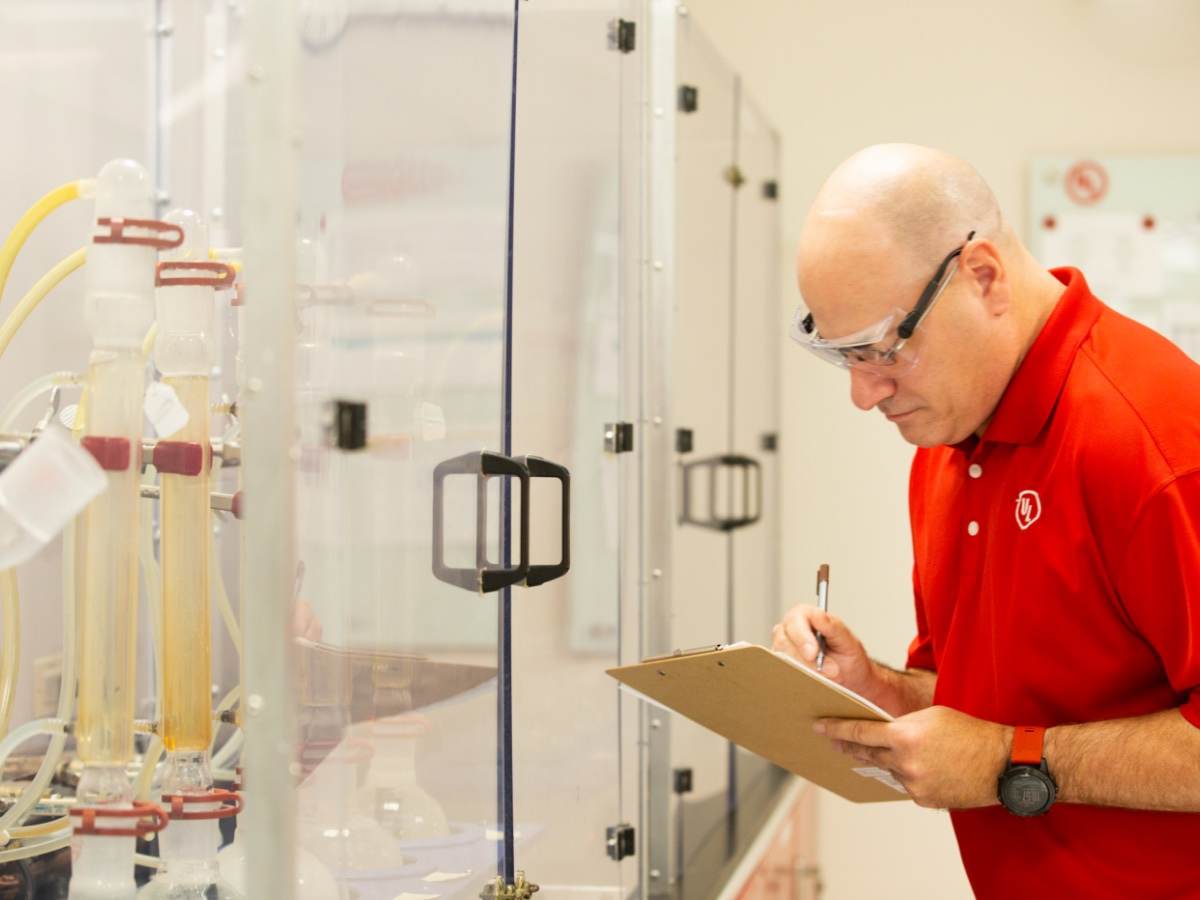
point(1086, 182)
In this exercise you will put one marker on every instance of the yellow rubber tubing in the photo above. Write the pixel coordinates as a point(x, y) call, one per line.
point(33, 216)
point(36, 294)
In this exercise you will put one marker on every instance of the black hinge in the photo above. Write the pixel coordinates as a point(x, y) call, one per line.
point(771, 189)
point(347, 425)
point(618, 437)
point(683, 781)
point(683, 440)
point(622, 35)
point(689, 98)
point(620, 841)
point(770, 442)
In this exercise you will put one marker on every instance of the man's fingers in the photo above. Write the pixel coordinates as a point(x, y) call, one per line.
point(800, 633)
point(880, 757)
point(781, 642)
point(856, 731)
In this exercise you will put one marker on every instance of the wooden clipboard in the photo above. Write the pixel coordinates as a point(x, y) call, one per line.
point(766, 703)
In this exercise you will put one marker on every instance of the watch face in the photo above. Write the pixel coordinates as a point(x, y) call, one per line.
point(1026, 791)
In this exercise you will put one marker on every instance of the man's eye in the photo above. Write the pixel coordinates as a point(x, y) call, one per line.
point(862, 355)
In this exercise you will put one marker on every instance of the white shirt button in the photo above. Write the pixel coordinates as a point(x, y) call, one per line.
point(973, 528)
point(975, 471)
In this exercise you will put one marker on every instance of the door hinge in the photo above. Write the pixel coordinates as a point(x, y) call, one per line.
point(620, 841)
point(770, 442)
point(683, 440)
point(618, 437)
point(734, 176)
point(498, 890)
point(689, 98)
point(622, 35)
point(771, 189)
point(683, 781)
point(346, 424)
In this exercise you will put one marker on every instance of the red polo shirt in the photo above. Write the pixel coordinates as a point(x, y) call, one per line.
point(1057, 581)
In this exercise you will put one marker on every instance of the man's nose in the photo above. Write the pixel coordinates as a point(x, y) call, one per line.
point(868, 390)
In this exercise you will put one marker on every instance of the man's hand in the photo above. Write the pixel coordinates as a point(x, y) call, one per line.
point(846, 661)
point(944, 758)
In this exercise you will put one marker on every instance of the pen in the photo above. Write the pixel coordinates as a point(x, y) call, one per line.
point(823, 605)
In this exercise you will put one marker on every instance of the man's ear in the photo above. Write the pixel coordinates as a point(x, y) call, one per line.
point(981, 263)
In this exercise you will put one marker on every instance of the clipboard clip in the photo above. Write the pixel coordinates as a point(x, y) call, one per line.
point(707, 648)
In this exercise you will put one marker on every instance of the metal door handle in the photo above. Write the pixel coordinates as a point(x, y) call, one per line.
point(485, 576)
point(751, 480)
point(543, 468)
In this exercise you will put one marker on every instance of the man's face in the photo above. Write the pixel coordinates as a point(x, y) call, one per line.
point(955, 382)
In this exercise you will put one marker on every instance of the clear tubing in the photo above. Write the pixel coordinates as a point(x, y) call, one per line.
point(108, 553)
point(27, 731)
point(10, 601)
point(41, 830)
point(28, 851)
point(187, 641)
point(66, 704)
point(43, 385)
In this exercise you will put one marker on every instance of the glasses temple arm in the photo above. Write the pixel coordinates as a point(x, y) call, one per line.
point(909, 324)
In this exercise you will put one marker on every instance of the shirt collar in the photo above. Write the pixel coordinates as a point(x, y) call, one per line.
point(1029, 399)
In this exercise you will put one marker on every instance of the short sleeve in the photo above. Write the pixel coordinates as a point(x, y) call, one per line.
point(1159, 584)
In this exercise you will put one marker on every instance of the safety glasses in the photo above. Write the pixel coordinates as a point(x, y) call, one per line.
point(865, 350)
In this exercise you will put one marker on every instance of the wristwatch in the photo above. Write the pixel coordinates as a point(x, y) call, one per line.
point(1026, 788)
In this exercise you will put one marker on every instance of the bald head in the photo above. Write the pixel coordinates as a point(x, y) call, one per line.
point(877, 232)
point(922, 201)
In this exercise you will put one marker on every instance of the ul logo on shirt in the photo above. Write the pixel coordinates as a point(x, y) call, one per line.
point(1029, 508)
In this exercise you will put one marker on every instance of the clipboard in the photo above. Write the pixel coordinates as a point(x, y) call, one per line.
point(766, 702)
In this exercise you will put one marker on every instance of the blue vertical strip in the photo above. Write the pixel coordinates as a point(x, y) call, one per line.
point(505, 861)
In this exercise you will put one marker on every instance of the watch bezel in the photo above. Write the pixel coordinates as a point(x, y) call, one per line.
point(1040, 774)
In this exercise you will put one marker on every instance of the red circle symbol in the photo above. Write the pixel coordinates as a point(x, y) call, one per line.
point(1086, 182)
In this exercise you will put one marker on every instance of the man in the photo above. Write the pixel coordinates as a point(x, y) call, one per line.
point(1055, 510)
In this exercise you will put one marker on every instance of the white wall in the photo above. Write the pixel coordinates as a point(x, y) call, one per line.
point(996, 83)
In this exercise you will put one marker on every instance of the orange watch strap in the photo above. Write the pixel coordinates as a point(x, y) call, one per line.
point(1027, 745)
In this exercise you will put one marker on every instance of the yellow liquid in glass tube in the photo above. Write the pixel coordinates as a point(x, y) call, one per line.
point(187, 641)
point(107, 568)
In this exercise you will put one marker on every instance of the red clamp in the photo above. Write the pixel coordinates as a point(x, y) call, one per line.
point(230, 805)
point(149, 819)
point(180, 457)
point(216, 275)
point(157, 238)
point(235, 505)
point(112, 453)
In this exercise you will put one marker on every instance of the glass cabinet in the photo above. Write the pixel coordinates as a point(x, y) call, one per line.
point(482, 296)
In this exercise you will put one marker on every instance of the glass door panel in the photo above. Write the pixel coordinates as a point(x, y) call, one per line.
point(566, 388)
point(758, 328)
point(400, 316)
point(701, 405)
